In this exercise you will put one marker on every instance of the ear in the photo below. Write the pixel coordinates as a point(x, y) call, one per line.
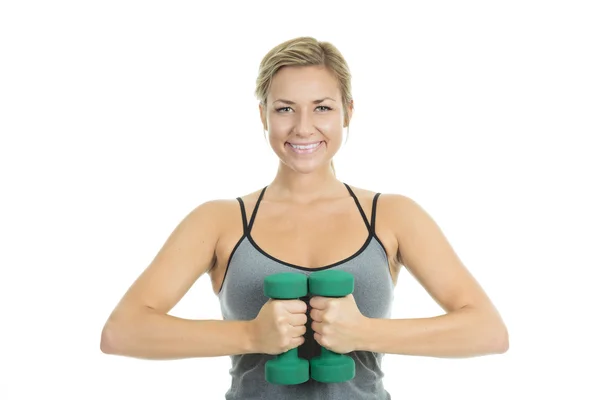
point(349, 112)
point(263, 116)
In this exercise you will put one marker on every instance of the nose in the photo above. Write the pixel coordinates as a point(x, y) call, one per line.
point(304, 125)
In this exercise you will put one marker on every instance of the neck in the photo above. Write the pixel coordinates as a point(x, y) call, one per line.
point(294, 187)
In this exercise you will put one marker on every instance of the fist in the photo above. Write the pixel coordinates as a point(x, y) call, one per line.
point(279, 326)
point(337, 323)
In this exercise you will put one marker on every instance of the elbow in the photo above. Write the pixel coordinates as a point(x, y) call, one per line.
point(495, 332)
point(498, 342)
point(108, 339)
point(492, 333)
point(502, 342)
point(113, 338)
point(122, 332)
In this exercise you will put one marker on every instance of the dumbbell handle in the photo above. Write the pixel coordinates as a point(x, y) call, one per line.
point(328, 354)
point(290, 355)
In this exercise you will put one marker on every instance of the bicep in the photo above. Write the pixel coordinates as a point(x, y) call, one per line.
point(187, 254)
point(427, 254)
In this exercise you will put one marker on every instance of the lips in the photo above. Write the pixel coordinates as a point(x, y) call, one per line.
point(305, 151)
point(305, 144)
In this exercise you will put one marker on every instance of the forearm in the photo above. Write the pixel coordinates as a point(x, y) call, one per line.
point(463, 333)
point(152, 335)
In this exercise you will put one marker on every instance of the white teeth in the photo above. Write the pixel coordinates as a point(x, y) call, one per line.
point(312, 146)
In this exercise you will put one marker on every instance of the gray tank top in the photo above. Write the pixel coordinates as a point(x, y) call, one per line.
point(241, 298)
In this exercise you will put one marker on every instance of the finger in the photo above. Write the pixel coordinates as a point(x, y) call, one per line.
point(319, 339)
point(298, 319)
point(317, 327)
point(295, 306)
point(318, 302)
point(298, 331)
point(316, 315)
point(297, 341)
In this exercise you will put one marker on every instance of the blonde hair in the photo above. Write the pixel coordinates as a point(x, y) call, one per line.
point(305, 51)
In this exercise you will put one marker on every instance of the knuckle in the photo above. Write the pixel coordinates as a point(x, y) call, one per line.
point(280, 306)
point(283, 343)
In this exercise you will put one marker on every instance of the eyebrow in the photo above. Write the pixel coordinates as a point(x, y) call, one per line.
point(292, 103)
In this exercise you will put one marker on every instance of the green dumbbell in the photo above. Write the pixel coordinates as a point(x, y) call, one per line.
point(287, 368)
point(331, 367)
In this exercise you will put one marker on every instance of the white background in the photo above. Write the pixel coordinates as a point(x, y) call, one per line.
point(118, 117)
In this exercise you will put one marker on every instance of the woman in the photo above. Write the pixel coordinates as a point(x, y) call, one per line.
point(305, 220)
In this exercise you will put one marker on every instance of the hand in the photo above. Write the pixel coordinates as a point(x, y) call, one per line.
point(337, 323)
point(279, 326)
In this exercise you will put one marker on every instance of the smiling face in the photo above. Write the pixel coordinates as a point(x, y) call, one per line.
point(304, 107)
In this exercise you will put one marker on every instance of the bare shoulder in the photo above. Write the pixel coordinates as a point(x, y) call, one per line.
point(222, 214)
point(400, 219)
point(398, 206)
point(363, 194)
point(224, 207)
point(406, 219)
point(226, 214)
point(387, 203)
point(228, 209)
point(208, 215)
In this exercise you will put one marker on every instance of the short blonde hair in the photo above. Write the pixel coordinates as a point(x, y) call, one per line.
point(305, 51)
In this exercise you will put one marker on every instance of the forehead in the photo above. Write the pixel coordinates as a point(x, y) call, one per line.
point(308, 83)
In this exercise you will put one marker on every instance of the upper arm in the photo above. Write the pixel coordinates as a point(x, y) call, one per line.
point(188, 252)
point(427, 254)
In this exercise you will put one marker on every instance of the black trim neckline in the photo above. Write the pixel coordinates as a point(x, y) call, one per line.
point(356, 254)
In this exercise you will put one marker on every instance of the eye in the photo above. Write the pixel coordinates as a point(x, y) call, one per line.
point(288, 109)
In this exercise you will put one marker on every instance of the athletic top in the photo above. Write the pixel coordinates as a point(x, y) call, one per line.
point(241, 297)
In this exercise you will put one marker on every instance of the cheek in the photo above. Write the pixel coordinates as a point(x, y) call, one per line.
point(329, 124)
point(333, 122)
point(278, 125)
point(332, 125)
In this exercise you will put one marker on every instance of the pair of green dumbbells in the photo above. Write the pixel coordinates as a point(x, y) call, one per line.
point(289, 369)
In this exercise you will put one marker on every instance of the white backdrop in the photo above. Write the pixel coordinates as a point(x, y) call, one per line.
point(118, 117)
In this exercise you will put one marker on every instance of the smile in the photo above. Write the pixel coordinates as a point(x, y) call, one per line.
point(304, 149)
